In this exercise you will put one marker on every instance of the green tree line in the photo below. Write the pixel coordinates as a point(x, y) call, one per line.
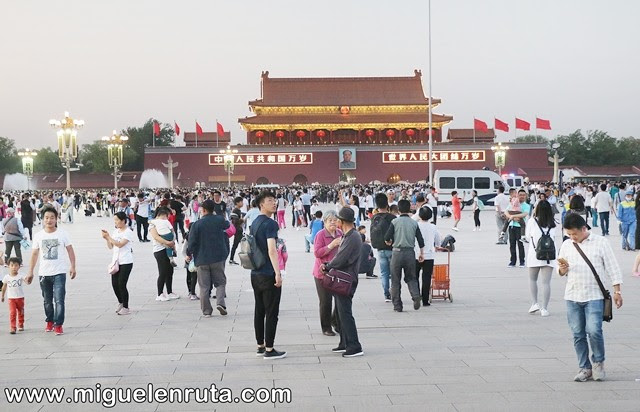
point(92, 156)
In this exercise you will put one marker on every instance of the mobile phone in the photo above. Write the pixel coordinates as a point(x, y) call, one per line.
point(563, 261)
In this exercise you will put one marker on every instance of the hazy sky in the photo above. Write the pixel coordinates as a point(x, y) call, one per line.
point(116, 63)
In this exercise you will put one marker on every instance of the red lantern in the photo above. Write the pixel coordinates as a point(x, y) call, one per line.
point(300, 134)
point(321, 133)
point(369, 133)
point(411, 132)
point(279, 134)
point(260, 134)
point(390, 133)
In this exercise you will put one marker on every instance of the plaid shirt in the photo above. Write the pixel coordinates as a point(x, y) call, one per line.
point(581, 284)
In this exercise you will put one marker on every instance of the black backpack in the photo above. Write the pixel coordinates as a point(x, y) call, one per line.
point(546, 247)
point(251, 257)
point(379, 225)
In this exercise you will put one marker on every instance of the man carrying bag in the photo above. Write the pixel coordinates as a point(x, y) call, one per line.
point(583, 258)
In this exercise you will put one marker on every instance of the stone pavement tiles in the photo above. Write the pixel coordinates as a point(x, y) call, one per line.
point(481, 352)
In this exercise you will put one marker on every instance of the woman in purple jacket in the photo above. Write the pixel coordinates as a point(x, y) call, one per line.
point(325, 247)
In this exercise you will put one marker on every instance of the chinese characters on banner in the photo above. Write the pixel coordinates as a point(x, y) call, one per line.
point(264, 159)
point(438, 156)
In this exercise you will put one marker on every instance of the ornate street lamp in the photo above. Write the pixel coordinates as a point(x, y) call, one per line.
point(556, 161)
point(115, 142)
point(27, 156)
point(229, 161)
point(67, 143)
point(500, 156)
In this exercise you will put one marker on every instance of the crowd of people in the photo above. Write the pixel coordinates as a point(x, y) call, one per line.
point(208, 227)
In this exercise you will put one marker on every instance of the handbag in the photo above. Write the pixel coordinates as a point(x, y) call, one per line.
point(192, 266)
point(114, 267)
point(337, 282)
point(607, 312)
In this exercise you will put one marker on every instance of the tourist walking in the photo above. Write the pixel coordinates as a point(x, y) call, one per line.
point(121, 242)
point(585, 301)
point(515, 229)
point(162, 248)
point(456, 207)
point(209, 246)
point(476, 210)
point(266, 280)
point(13, 234)
point(432, 243)
point(142, 218)
point(50, 246)
point(604, 205)
point(28, 214)
point(325, 248)
point(403, 234)
point(347, 260)
point(501, 202)
point(282, 208)
point(627, 217)
point(542, 224)
point(12, 289)
point(380, 223)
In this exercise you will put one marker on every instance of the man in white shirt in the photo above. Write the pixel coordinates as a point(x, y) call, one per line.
point(501, 202)
point(603, 205)
point(585, 301)
point(432, 201)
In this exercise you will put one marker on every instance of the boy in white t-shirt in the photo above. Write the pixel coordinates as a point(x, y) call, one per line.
point(12, 288)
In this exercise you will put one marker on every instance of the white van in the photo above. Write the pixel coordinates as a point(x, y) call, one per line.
point(514, 181)
point(485, 182)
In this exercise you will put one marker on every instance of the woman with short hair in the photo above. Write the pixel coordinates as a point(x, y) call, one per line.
point(325, 247)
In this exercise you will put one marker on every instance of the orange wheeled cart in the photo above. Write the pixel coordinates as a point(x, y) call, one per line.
point(440, 280)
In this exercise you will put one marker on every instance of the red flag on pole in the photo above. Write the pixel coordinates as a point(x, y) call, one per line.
point(220, 129)
point(522, 125)
point(156, 128)
point(500, 125)
point(480, 125)
point(543, 124)
point(198, 130)
point(176, 128)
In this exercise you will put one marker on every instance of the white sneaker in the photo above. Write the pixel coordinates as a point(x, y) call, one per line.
point(162, 298)
point(172, 296)
point(124, 311)
point(544, 313)
point(534, 308)
point(474, 229)
point(455, 228)
point(479, 230)
point(119, 307)
point(598, 371)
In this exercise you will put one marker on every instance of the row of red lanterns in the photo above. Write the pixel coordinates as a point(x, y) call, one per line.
point(321, 133)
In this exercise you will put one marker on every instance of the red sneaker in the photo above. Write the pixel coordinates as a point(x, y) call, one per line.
point(58, 329)
point(49, 327)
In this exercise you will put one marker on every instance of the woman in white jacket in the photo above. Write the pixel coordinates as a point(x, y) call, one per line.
point(542, 222)
point(431, 244)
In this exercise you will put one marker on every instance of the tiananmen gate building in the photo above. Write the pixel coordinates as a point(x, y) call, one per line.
point(353, 129)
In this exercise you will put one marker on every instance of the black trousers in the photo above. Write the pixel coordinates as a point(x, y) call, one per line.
point(326, 301)
point(179, 223)
point(514, 239)
point(363, 214)
point(119, 283)
point(12, 244)
point(165, 271)
point(307, 213)
point(28, 224)
point(192, 281)
point(267, 308)
point(476, 217)
point(426, 266)
point(348, 329)
point(142, 223)
point(435, 213)
point(236, 241)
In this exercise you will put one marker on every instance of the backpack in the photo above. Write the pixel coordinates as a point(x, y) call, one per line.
point(480, 204)
point(448, 243)
point(379, 225)
point(251, 257)
point(546, 248)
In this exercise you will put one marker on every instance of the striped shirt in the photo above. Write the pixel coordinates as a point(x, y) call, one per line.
point(581, 283)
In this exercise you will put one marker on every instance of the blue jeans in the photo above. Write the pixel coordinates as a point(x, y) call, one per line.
point(53, 289)
point(307, 242)
point(384, 257)
point(628, 232)
point(594, 218)
point(604, 222)
point(585, 318)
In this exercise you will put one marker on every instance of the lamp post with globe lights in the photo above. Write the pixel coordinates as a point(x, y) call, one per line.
point(229, 161)
point(115, 144)
point(500, 156)
point(556, 161)
point(67, 141)
point(27, 156)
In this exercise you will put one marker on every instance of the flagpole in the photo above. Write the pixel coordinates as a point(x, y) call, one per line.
point(217, 135)
point(515, 128)
point(196, 133)
point(474, 130)
point(153, 134)
point(536, 128)
point(430, 117)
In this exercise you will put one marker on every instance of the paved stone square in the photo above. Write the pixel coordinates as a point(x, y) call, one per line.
point(481, 352)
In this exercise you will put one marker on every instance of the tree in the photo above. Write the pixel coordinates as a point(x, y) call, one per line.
point(94, 158)
point(47, 161)
point(531, 138)
point(141, 137)
point(9, 160)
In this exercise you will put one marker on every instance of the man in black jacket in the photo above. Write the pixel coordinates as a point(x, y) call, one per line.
point(209, 246)
point(380, 223)
point(347, 260)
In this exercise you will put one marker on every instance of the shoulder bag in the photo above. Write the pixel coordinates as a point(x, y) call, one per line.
point(607, 312)
point(337, 282)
